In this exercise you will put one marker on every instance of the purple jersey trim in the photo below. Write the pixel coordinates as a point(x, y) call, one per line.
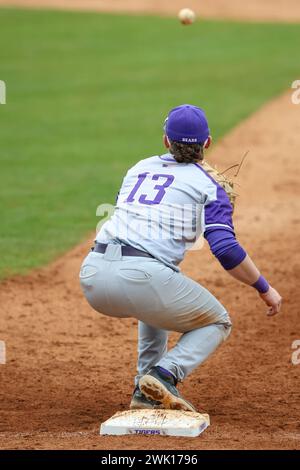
point(220, 210)
point(261, 285)
point(225, 247)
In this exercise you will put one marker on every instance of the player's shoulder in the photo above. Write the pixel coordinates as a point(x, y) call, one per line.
point(203, 178)
point(146, 163)
point(211, 187)
point(154, 159)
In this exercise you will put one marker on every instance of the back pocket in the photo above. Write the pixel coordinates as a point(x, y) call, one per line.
point(87, 271)
point(134, 274)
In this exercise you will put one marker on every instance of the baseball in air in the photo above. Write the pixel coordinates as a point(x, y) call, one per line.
point(186, 16)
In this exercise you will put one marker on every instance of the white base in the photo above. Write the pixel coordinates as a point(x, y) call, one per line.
point(156, 422)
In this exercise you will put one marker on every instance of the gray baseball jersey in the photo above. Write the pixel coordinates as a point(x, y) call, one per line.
point(163, 207)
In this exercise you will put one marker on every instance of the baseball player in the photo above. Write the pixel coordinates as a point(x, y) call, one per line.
point(164, 204)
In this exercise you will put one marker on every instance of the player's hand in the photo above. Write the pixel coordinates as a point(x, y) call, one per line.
point(273, 299)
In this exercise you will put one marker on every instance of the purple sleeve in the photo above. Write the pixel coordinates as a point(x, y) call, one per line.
point(225, 247)
point(219, 212)
point(219, 231)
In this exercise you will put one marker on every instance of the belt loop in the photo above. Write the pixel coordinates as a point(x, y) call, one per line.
point(113, 252)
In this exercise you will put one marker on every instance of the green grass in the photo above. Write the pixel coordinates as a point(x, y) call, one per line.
point(86, 97)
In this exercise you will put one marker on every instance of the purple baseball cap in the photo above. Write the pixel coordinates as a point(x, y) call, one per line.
point(187, 124)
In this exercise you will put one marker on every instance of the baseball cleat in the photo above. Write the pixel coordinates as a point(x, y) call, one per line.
point(160, 385)
point(140, 402)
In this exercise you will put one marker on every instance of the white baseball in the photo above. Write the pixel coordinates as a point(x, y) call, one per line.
point(186, 16)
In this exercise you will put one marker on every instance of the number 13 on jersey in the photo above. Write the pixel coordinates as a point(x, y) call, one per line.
point(163, 182)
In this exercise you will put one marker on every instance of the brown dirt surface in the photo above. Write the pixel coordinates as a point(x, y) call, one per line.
point(69, 369)
point(254, 10)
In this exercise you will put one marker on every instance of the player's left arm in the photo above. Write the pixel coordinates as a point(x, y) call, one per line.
point(248, 273)
point(219, 232)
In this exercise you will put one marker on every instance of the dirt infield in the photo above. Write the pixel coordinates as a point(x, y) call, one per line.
point(256, 10)
point(69, 368)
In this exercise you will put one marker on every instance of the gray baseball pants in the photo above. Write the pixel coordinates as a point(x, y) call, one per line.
point(162, 300)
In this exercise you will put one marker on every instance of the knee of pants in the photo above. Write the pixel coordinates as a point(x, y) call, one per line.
point(223, 322)
point(225, 329)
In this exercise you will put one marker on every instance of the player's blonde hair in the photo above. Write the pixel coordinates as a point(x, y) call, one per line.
point(186, 153)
